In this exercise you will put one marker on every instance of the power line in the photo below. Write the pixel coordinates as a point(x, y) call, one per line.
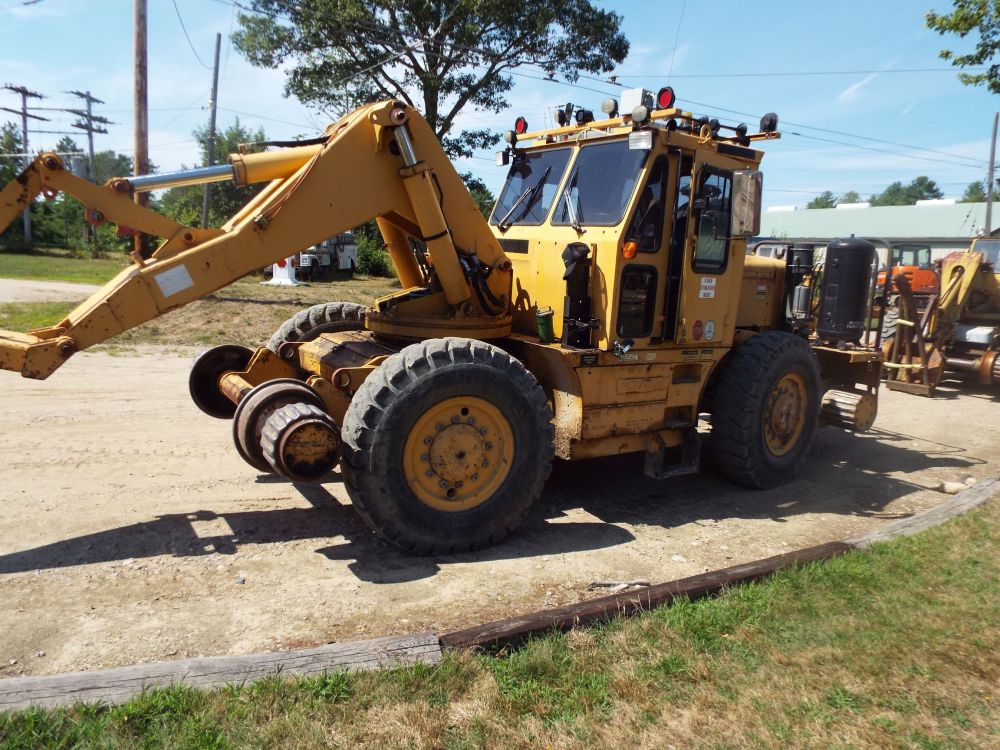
point(184, 29)
point(271, 119)
point(971, 161)
point(677, 38)
point(796, 73)
point(975, 162)
point(880, 150)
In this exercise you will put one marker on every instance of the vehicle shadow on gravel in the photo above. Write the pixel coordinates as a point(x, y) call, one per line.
point(963, 385)
point(847, 475)
point(183, 535)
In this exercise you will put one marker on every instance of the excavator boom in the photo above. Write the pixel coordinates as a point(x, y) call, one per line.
point(382, 161)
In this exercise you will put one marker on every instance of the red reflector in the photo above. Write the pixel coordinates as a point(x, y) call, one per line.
point(665, 98)
point(282, 263)
point(520, 126)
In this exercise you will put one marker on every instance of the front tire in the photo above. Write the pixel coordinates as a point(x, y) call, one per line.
point(446, 446)
point(765, 410)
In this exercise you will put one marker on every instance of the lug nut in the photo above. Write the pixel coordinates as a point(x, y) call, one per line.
point(486, 462)
point(425, 458)
point(489, 445)
point(439, 427)
point(428, 440)
point(442, 484)
point(475, 477)
point(430, 472)
point(472, 420)
point(482, 430)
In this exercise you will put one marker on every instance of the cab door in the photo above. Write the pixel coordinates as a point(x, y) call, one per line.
point(713, 261)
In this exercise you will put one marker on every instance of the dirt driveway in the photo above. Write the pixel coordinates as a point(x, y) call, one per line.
point(29, 290)
point(130, 530)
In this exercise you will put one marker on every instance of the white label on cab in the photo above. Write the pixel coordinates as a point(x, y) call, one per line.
point(709, 330)
point(707, 289)
point(174, 281)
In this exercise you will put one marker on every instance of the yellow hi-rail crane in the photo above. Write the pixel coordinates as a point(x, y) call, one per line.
point(605, 305)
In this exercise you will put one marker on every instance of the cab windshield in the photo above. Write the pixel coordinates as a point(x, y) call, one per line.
point(600, 185)
point(911, 255)
point(531, 185)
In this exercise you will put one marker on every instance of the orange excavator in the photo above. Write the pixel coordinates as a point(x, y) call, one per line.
point(912, 261)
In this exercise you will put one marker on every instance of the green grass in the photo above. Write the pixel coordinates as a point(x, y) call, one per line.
point(897, 647)
point(245, 312)
point(57, 265)
point(24, 316)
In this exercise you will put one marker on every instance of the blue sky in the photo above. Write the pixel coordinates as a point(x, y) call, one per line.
point(56, 45)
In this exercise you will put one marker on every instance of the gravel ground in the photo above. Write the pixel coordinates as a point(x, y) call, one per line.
point(131, 531)
point(28, 290)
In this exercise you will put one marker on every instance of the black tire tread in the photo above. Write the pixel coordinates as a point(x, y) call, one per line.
point(361, 430)
point(325, 317)
point(889, 323)
point(744, 381)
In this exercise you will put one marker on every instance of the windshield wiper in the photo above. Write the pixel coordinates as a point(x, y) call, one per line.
point(574, 219)
point(527, 198)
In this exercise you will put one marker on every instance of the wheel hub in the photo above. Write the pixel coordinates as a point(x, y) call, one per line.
point(785, 415)
point(458, 453)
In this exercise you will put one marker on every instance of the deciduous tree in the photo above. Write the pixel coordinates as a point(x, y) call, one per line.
point(981, 19)
point(443, 57)
point(184, 204)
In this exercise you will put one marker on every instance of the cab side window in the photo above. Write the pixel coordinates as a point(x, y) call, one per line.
point(713, 206)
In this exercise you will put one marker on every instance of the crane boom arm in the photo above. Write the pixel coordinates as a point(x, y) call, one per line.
point(382, 161)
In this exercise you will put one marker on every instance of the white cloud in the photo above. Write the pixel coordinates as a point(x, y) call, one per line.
point(851, 92)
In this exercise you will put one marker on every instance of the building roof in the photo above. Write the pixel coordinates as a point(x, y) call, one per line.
point(940, 221)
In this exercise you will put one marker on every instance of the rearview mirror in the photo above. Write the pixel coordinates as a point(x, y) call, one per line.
point(747, 191)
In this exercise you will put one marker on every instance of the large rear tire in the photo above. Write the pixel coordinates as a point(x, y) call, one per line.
point(890, 320)
point(446, 446)
point(327, 317)
point(765, 410)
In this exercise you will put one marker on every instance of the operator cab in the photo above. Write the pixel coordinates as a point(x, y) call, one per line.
point(618, 224)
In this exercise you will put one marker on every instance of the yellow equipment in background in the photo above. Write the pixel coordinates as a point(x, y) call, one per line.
point(606, 304)
point(959, 331)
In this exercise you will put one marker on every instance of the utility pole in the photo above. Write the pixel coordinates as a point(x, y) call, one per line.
point(86, 122)
point(140, 106)
point(989, 181)
point(25, 95)
point(211, 127)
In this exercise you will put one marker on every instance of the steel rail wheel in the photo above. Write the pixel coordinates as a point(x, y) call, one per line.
point(203, 381)
point(255, 409)
point(765, 409)
point(446, 446)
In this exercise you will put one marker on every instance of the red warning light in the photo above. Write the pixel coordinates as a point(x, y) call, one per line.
point(520, 126)
point(665, 98)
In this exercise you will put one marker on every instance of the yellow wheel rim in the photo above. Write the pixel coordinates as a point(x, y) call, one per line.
point(458, 454)
point(785, 414)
